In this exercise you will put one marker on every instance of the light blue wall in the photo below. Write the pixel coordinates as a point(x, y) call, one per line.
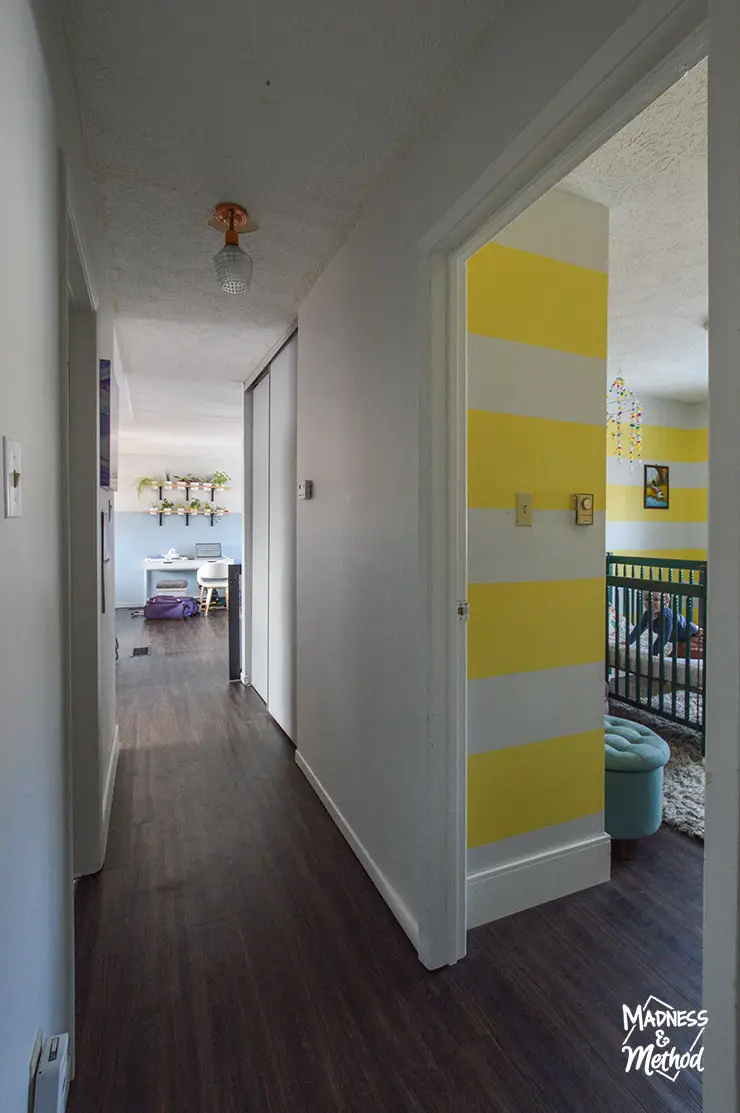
point(140, 535)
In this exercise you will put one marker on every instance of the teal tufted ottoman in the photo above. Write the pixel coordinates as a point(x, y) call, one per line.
point(635, 757)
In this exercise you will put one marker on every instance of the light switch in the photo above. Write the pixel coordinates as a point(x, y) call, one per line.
point(12, 476)
point(523, 509)
point(584, 505)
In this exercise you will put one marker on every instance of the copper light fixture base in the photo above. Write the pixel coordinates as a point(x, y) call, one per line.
point(222, 217)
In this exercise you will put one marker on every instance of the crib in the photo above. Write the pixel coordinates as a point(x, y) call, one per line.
point(671, 682)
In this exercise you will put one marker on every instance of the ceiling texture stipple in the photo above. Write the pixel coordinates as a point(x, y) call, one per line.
point(290, 108)
point(653, 177)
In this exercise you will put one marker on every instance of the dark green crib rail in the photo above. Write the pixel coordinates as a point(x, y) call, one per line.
point(641, 678)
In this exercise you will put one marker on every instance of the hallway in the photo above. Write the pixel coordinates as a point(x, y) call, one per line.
point(233, 956)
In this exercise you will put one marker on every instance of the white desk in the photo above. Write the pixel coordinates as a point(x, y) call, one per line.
point(185, 564)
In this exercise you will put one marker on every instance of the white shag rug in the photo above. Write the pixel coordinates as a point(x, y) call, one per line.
point(683, 784)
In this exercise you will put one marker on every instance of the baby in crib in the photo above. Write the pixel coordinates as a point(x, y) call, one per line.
point(663, 625)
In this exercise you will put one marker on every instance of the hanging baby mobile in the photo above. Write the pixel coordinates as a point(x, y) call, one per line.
point(624, 421)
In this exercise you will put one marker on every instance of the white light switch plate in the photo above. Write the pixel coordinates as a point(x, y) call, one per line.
point(523, 509)
point(12, 478)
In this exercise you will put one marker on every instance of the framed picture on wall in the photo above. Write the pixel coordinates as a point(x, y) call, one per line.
point(656, 487)
point(105, 423)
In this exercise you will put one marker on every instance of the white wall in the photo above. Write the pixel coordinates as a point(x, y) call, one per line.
point(362, 380)
point(34, 866)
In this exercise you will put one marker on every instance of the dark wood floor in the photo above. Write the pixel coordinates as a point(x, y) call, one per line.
point(233, 956)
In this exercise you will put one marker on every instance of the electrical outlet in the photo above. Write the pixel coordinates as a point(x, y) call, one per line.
point(305, 489)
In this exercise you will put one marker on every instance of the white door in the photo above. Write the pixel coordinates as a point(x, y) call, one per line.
point(282, 561)
point(260, 536)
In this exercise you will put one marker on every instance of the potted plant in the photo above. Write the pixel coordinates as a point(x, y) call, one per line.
point(196, 506)
point(148, 481)
point(188, 480)
point(166, 506)
point(219, 479)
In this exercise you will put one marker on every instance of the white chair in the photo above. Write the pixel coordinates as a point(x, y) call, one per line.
point(213, 574)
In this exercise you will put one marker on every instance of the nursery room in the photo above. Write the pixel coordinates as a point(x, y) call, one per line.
point(586, 455)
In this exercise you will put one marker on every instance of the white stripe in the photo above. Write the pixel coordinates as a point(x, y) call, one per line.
point(526, 707)
point(534, 842)
point(552, 548)
point(562, 226)
point(626, 537)
point(674, 415)
point(681, 475)
point(510, 378)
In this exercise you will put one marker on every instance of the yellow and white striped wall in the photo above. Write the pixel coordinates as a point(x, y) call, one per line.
point(676, 434)
point(537, 328)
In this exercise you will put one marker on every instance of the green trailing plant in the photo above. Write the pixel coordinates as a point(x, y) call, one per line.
point(148, 481)
point(195, 504)
point(219, 479)
point(167, 504)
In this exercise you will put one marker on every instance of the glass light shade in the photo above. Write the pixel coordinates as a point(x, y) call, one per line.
point(233, 269)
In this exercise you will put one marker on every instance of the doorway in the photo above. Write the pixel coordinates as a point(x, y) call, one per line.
point(522, 181)
point(89, 607)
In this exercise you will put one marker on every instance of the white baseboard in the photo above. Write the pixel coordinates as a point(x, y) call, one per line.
point(110, 784)
point(502, 890)
point(376, 875)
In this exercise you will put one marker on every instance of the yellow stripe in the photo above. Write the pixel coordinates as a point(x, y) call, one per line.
point(542, 624)
point(666, 554)
point(662, 444)
point(525, 788)
point(686, 504)
point(551, 460)
point(514, 295)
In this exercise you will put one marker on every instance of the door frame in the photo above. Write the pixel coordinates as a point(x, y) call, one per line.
point(76, 289)
point(648, 54)
point(260, 371)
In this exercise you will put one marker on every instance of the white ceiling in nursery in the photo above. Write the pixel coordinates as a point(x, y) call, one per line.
point(653, 177)
point(292, 109)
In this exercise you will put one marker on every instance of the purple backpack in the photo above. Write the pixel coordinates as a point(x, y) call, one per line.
point(171, 606)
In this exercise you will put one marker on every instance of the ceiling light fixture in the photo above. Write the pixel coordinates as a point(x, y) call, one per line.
point(232, 265)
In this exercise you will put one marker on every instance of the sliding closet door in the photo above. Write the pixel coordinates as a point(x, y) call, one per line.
point(282, 578)
point(260, 536)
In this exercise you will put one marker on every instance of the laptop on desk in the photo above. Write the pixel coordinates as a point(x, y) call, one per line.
point(208, 550)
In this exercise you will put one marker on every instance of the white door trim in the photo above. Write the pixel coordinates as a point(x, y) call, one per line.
point(246, 615)
point(76, 287)
point(651, 50)
point(721, 1087)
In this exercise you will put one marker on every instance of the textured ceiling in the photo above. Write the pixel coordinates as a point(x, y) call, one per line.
point(291, 108)
point(653, 177)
